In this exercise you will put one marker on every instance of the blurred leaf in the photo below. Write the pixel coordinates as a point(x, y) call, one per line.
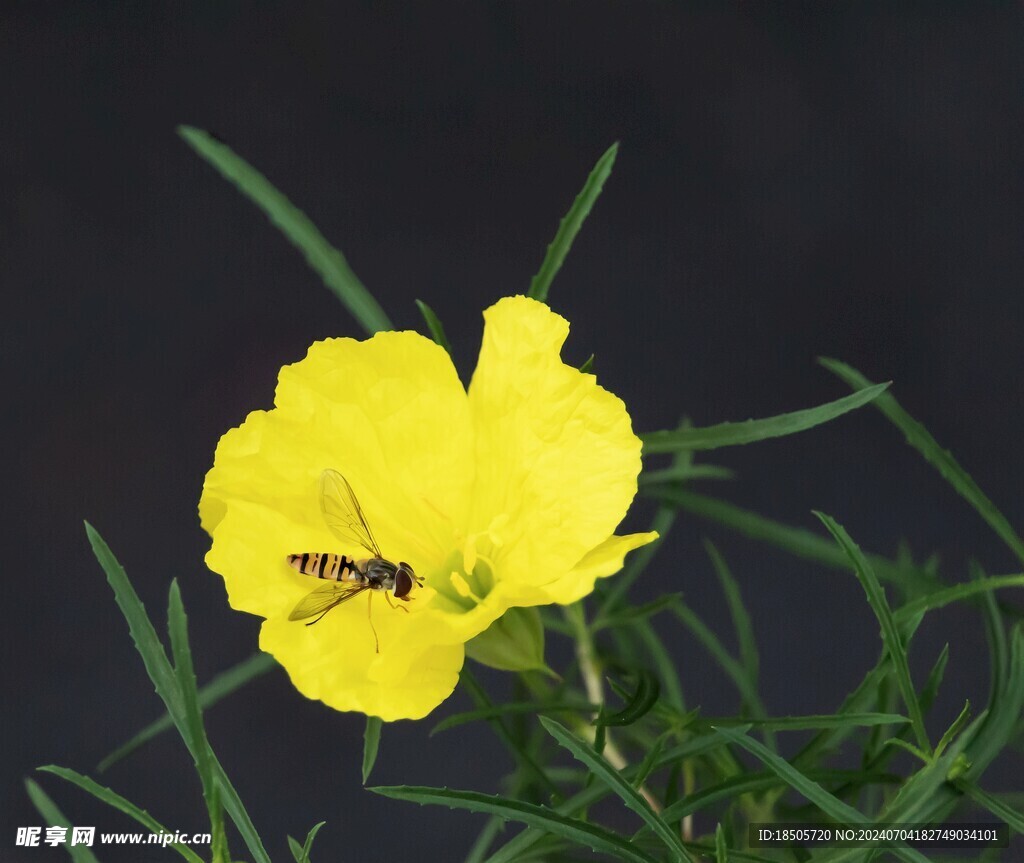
point(795, 540)
point(1001, 810)
point(55, 818)
point(749, 659)
point(721, 852)
point(434, 325)
point(632, 613)
point(295, 225)
point(685, 473)
point(221, 685)
point(570, 226)
point(371, 744)
point(921, 440)
point(515, 707)
point(541, 817)
point(751, 431)
point(116, 801)
point(614, 780)
point(514, 745)
point(736, 672)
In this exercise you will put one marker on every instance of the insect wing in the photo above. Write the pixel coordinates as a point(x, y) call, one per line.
point(343, 514)
point(324, 598)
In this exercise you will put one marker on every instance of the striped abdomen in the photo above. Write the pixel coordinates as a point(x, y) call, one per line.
point(336, 567)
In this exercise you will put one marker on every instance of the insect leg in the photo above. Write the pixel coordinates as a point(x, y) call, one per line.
point(369, 616)
point(395, 607)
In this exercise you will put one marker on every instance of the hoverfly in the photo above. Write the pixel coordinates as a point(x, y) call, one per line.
point(348, 577)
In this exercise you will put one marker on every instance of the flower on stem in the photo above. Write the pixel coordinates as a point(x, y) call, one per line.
point(506, 495)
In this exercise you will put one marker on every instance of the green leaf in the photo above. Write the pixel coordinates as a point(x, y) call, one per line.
point(811, 790)
point(668, 673)
point(434, 325)
point(890, 632)
point(736, 672)
point(513, 708)
point(644, 697)
point(295, 225)
point(805, 723)
point(514, 642)
point(371, 743)
point(55, 818)
point(751, 431)
point(116, 801)
point(588, 365)
point(631, 614)
point(994, 805)
point(794, 540)
point(296, 849)
point(221, 685)
point(570, 226)
point(749, 659)
point(307, 846)
point(650, 759)
point(921, 440)
point(721, 852)
point(540, 817)
point(956, 593)
point(177, 627)
point(611, 777)
point(685, 473)
point(164, 680)
point(580, 802)
point(515, 746)
point(954, 729)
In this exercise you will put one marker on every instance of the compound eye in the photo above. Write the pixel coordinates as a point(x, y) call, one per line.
point(403, 582)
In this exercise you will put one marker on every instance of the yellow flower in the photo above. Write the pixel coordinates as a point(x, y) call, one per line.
point(506, 495)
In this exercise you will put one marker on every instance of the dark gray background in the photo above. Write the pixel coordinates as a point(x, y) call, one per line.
point(793, 181)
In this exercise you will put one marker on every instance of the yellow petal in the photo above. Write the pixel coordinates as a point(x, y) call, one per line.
point(334, 661)
point(607, 559)
point(555, 453)
point(388, 413)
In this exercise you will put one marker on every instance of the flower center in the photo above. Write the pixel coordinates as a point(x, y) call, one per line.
point(471, 568)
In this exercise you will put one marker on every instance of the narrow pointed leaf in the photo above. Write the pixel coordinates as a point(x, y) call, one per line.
point(371, 744)
point(162, 674)
point(116, 801)
point(295, 225)
point(997, 807)
point(55, 818)
point(307, 846)
point(434, 325)
point(751, 431)
point(615, 781)
point(956, 593)
point(570, 226)
point(921, 440)
point(890, 632)
point(296, 849)
point(541, 817)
